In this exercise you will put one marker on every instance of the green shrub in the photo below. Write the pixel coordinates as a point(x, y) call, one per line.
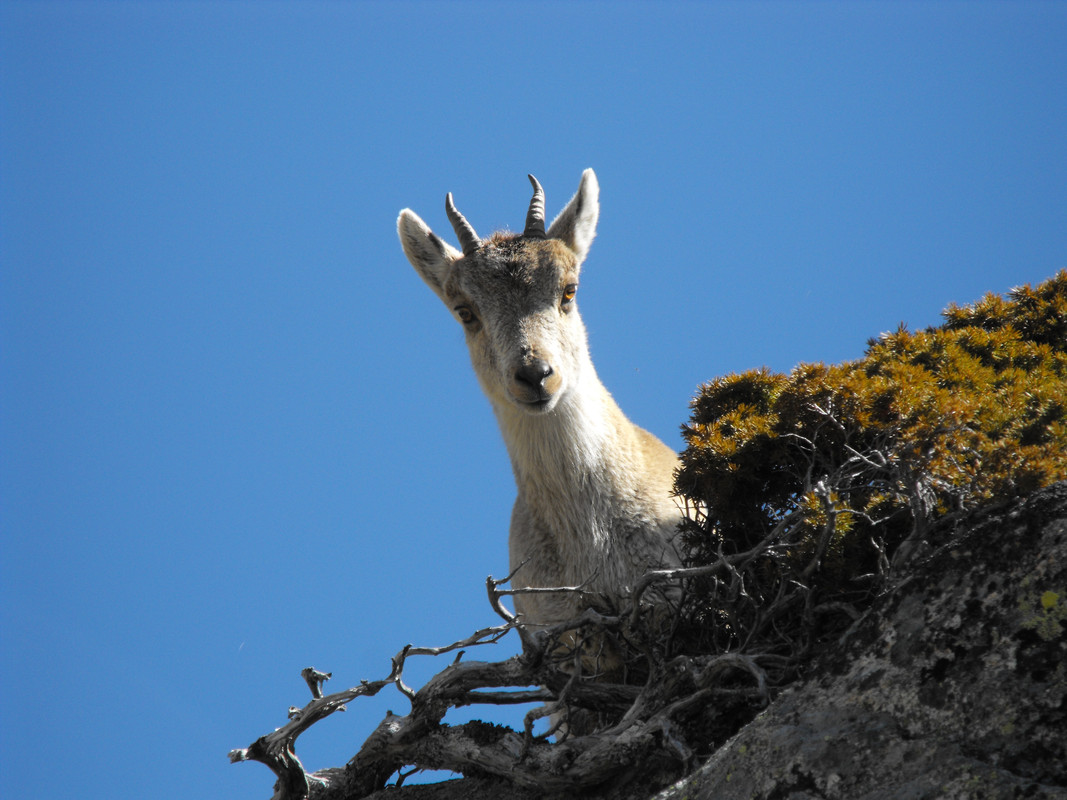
point(813, 482)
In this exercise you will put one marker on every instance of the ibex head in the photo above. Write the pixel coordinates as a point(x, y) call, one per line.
point(514, 295)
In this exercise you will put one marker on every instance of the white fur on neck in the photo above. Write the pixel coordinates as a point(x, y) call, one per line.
point(571, 474)
point(549, 450)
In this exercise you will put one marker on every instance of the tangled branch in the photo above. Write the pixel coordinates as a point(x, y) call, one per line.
point(644, 719)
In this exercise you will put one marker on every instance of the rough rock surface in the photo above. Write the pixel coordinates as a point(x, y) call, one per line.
point(954, 685)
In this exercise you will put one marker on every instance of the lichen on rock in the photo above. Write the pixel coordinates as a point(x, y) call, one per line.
point(946, 689)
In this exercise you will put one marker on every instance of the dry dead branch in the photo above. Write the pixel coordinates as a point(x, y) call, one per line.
point(643, 717)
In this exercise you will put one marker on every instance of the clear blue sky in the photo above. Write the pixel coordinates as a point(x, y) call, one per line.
point(238, 435)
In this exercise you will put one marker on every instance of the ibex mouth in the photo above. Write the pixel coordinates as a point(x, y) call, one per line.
point(536, 404)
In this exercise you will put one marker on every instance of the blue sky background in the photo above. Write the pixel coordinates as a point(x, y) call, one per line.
point(238, 435)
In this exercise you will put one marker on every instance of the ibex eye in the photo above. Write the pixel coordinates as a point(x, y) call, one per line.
point(465, 314)
point(569, 291)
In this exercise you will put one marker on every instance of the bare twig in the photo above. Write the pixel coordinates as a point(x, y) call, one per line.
point(276, 749)
point(315, 680)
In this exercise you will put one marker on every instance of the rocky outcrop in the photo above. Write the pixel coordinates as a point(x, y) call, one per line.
point(953, 686)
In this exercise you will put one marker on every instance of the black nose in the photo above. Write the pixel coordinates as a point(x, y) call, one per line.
point(533, 374)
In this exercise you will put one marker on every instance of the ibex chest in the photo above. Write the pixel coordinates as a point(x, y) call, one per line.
point(585, 512)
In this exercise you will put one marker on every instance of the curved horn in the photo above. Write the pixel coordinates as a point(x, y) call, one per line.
point(535, 217)
point(468, 239)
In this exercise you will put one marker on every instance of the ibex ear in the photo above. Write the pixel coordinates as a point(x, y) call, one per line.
point(431, 256)
point(576, 224)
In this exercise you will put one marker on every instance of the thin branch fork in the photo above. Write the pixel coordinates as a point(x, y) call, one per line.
point(412, 739)
point(276, 749)
point(728, 563)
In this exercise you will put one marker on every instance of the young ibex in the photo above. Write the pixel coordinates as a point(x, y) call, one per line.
point(595, 503)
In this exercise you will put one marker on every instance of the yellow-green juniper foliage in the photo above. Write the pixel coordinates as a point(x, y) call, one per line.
point(837, 465)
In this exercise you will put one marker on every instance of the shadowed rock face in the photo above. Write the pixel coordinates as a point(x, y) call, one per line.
point(955, 686)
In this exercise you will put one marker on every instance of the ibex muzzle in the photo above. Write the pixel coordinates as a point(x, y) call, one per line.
point(595, 502)
point(532, 385)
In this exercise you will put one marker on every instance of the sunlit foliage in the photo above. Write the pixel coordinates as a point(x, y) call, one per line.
point(828, 474)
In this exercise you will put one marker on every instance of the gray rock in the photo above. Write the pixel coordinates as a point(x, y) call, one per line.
point(954, 686)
